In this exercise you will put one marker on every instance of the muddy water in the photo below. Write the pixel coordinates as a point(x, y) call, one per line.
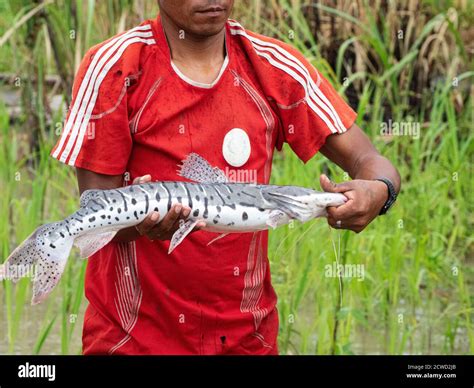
point(426, 333)
point(363, 341)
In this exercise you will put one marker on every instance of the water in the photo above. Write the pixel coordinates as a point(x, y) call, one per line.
point(425, 326)
point(34, 319)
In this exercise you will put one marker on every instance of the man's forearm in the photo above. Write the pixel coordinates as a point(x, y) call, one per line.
point(353, 152)
point(375, 166)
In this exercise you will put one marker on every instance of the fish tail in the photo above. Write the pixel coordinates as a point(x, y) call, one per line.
point(42, 256)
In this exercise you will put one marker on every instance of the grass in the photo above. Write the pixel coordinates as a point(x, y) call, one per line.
point(416, 293)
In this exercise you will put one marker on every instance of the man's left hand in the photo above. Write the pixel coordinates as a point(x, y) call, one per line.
point(365, 200)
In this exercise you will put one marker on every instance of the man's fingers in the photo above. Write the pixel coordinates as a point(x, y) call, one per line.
point(354, 223)
point(148, 223)
point(185, 212)
point(142, 179)
point(171, 217)
point(172, 221)
point(326, 184)
point(349, 224)
point(342, 212)
point(331, 187)
point(331, 221)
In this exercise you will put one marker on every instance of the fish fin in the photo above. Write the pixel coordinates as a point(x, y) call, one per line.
point(90, 243)
point(87, 195)
point(53, 254)
point(45, 252)
point(217, 238)
point(198, 169)
point(22, 260)
point(275, 217)
point(178, 236)
point(48, 273)
point(284, 202)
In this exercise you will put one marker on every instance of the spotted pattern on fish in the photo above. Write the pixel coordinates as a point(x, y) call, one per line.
point(226, 207)
point(168, 195)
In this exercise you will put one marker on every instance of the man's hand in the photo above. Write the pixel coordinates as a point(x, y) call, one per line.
point(365, 200)
point(164, 229)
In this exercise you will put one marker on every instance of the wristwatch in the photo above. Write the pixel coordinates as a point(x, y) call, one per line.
point(392, 195)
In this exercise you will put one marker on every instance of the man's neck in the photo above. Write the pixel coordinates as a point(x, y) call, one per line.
point(187, 47)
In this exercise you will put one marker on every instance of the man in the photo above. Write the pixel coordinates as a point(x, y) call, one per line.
point(193, 81)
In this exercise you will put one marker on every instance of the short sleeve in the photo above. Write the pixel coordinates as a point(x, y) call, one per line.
point(96, 135)
point(310, 109)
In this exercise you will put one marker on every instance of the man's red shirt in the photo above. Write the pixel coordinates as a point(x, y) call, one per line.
point(134, 113)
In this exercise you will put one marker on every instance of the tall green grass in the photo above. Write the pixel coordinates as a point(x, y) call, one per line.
point(416, 258)
point(416, 293)
point(35, 192)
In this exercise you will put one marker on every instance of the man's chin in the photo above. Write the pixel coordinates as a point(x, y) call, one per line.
point(208, 28)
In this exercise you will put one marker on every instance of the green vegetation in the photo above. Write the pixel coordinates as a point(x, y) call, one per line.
point(408, 63)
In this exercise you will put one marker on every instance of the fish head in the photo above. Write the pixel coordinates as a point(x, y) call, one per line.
point(302, 203)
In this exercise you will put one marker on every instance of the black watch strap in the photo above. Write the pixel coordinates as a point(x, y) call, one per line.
point(392, 195)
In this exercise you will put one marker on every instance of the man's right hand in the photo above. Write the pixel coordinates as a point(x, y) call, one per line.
point(164, 229)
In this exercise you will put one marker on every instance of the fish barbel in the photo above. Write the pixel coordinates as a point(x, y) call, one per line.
point(225, 207)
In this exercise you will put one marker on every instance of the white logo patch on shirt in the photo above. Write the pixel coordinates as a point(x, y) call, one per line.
point(236, 147)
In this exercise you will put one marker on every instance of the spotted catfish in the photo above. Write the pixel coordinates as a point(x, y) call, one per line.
point(225, 207)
